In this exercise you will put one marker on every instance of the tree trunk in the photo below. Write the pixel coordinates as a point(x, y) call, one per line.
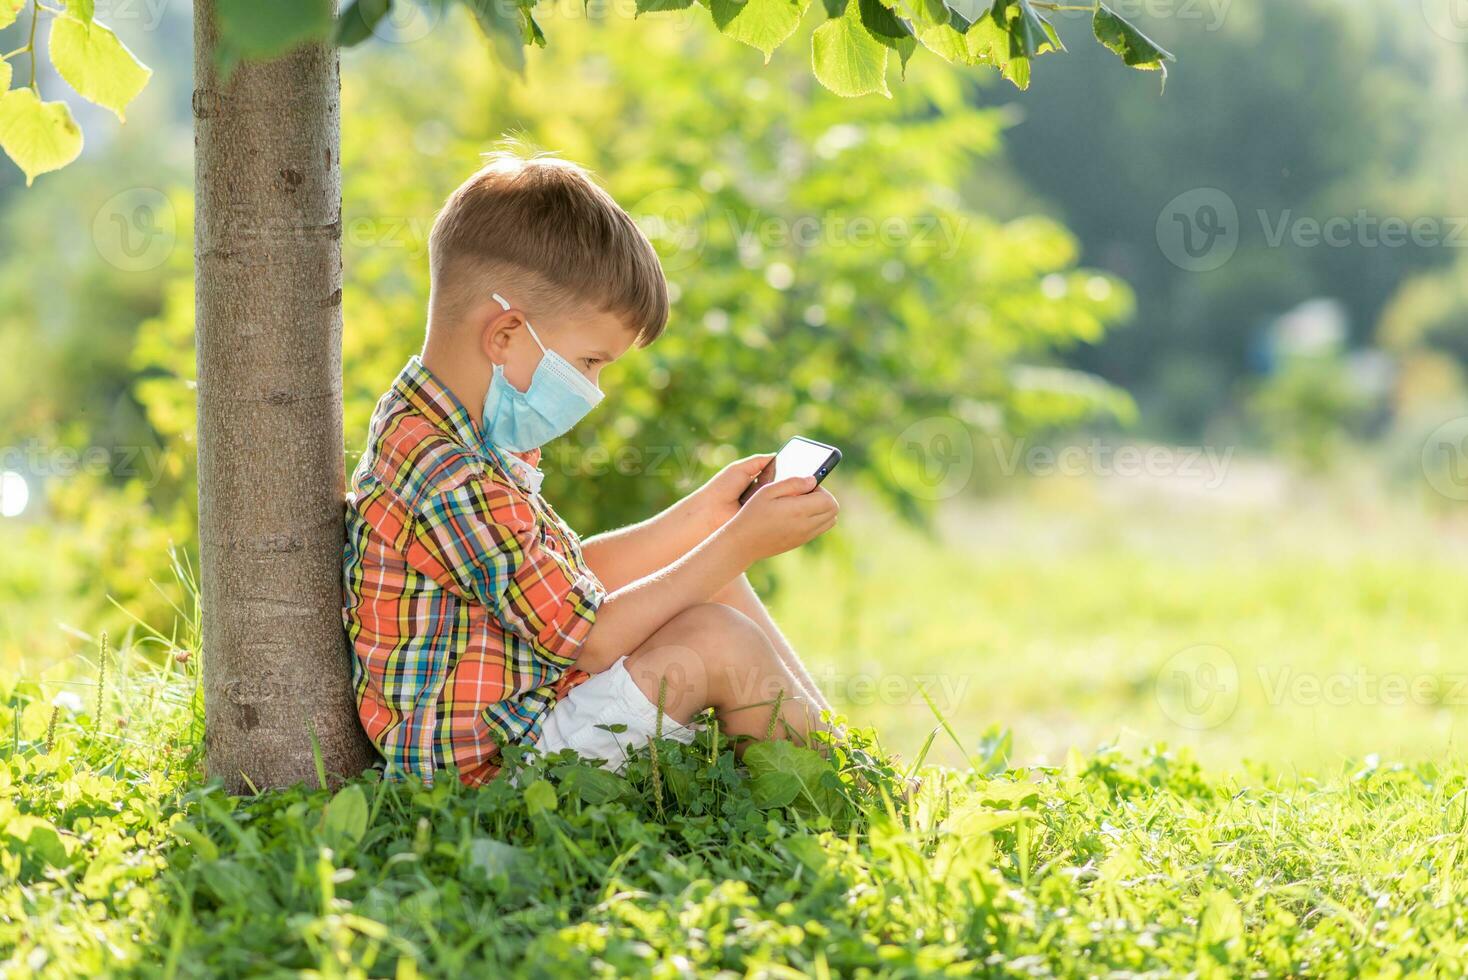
point(268, 305)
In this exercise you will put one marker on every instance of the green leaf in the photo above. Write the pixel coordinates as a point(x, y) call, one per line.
point(1030, 34)
point(82, 10)
point(496, 858)
point(260, 29)
point(990, 41)
point(38, 136)
point(1221, 922)
point(9, 10)
point(971, 821)
point(761, 24)
point(888, 29)
point(1009, 793)
point(593, 785)
point(533, 34)
point(235, 884)
point(936, 28)
point(95, 63)
point(1131, 45)
point(540, 797)
point(809, 851)
point(504, 24)
point(205, 848)
point(653, 6)
point(777, 765)
point(774, 789)
point(346, 815)
point(37, 838)
point(967, 12)
point(355, 24)
point(847, 59)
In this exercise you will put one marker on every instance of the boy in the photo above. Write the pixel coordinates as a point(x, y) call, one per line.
point(478, 619)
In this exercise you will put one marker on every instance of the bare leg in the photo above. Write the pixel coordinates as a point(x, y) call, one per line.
point(714, 656)
point(740, 595)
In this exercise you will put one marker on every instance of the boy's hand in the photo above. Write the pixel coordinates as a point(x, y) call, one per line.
point(784, 515)
point(718, 499)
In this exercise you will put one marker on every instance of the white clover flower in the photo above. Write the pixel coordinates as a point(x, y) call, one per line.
point(69, 700)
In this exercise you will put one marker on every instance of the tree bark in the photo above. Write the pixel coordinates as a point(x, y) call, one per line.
point(268, 303)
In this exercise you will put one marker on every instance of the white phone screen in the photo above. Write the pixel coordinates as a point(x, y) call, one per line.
point(799, 458)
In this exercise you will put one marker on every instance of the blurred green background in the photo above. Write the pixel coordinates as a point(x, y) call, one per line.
point(1152, 403)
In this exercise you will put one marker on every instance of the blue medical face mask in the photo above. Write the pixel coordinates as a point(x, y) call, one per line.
point(559, 396)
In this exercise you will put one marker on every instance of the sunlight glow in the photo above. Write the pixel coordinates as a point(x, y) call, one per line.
point(15, 494)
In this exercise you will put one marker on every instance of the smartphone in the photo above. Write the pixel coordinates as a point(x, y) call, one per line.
point(798, 457)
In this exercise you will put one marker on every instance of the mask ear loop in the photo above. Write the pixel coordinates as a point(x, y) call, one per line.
point(533, 335)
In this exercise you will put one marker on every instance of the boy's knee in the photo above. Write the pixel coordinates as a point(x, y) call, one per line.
point(690, 661)
point(714, 629)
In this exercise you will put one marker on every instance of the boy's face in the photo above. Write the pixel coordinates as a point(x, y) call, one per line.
point(588, 340)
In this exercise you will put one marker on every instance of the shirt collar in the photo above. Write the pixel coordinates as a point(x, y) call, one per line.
point(422, 390)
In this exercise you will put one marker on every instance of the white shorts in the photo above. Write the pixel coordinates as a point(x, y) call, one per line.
point(606, 699)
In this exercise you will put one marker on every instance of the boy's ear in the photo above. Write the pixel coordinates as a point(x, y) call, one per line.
point(497, 327)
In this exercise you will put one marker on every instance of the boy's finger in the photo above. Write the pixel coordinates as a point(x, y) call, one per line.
point(818, 501)
point(753, 464)
point(812, 506)
point(792, 487)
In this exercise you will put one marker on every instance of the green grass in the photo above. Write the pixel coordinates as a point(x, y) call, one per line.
point(116, 861)
point(1067, 614)
point(116, 858)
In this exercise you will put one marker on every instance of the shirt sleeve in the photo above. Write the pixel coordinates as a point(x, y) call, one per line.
point(484, 542)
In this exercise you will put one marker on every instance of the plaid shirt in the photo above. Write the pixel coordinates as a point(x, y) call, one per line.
point(466, 596)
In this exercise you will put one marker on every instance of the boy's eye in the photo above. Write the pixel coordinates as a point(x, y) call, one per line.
point(591, 362)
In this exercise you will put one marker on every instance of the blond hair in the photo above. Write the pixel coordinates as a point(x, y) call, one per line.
point(551, 239)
